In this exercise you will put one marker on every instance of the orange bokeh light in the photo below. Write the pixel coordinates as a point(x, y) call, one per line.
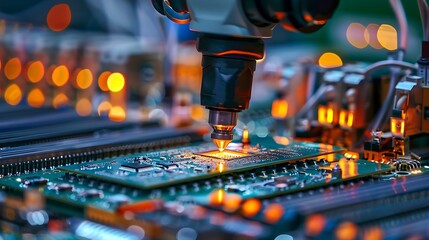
point(273, 213)
point(104, 108)
point(60, 100)
point(251, 207)
point(59, 17)
point(330, 60)
point(60, 76)
point(217, 197)
point(84, 79)
point(356, 35)
point(374, 233)
point(13, 68)
point(346, 231)
point(36, 98)
point(83, 107)
point(117, 114)
point(315, 224)
point(13, 95)
point(102, 81)
point(35, 71)
point(279, 108)
point(371, 35)
point(232, 202)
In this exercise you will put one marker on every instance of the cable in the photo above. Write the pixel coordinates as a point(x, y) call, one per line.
point(384, 114)
point(398, 9)
point(312, 101)
point(424, 15)
point(387, 63)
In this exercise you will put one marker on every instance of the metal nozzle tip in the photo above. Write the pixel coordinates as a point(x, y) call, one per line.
point(221, 144)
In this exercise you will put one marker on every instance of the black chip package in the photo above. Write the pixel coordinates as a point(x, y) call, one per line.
point(136, 167)
point(167, 165)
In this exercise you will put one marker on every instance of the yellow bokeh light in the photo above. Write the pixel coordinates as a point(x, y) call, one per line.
point(84, 79)
point(116, 82)
point(117, 114)
point(36, 98)
point(321, 114)
point(356, 35)
point(350, 119)
point(102, 81)
point(104, 108)
point(35, 71)
point(13, 68)
point(330, 60)
point(83, 107)
point(13, 95)
point(388, 37)
point(330, 115)
point(60, 100)
point(60, 76)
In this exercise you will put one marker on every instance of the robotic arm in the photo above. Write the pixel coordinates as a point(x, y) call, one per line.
point(230, 39)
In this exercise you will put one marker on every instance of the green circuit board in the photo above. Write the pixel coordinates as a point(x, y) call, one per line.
point(261, 171)
point(163, 168)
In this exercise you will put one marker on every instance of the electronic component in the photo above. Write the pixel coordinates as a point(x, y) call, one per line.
point(34, 181)
point(135, 167)
point(169, 166)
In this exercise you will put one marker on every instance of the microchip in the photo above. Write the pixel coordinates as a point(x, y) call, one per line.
point(135, 167)
point(167, 165)
point(285, 179)
point(35, 181)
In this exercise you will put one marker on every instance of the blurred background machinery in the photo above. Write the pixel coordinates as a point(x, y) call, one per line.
point(102, 134)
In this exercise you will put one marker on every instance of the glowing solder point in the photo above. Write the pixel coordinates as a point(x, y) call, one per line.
point(245, 137)
point(221, 144)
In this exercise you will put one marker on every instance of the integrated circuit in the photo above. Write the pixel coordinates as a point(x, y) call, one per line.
point(136, 167)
